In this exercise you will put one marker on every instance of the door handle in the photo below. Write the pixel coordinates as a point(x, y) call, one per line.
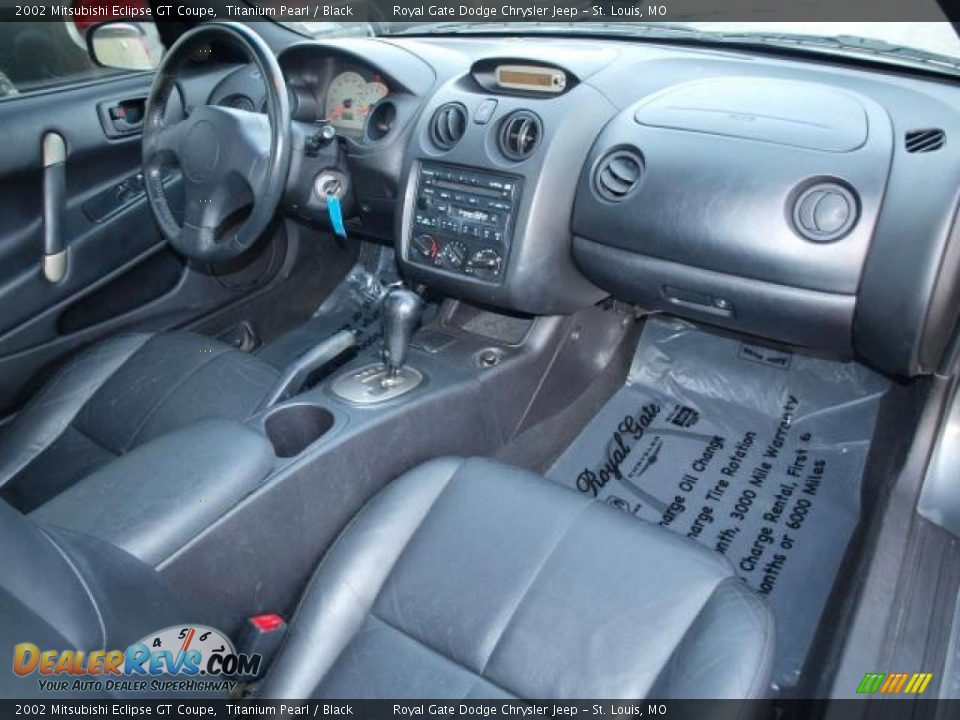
point(54, 192)
point(120, 118)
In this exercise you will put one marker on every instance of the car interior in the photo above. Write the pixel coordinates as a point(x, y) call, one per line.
point(497, 364)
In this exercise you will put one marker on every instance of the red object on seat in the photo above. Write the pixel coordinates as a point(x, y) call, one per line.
point(268, 622)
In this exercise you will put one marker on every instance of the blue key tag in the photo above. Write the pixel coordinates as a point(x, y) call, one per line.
point(336, 215)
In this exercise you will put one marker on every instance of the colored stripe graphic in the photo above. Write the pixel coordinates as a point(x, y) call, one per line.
point(871, 682)
point(894, 683)
point(918, 683)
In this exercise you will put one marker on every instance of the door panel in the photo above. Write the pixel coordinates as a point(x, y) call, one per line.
point(120, 274)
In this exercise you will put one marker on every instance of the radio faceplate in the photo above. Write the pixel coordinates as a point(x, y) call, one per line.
point(463, 220)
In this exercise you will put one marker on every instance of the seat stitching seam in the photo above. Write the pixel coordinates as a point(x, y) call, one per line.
point(83, 584)
point(533, 580)
point(435, 651)
point(59, 375)
point(672, 655)
point(93, 440)
point(730, 580)
point(48, 388)
point(355, 519)
point(314, 579)
point(768, 630)
point(156, 408)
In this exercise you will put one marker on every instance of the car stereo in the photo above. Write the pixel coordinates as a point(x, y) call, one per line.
point(463, 220)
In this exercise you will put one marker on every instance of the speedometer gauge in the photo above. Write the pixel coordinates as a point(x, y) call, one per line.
point(350, 98)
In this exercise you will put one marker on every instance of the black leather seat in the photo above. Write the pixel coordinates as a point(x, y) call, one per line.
point(116, 396)
point(471, 579)
point(462, 579)
point(66, 590)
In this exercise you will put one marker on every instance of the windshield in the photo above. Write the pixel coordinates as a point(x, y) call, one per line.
point(935, 37)
point(905, 42)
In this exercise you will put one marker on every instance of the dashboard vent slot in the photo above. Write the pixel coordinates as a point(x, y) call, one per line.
point(448, 125)
point(928, 140)
point(617, 174)
point(520, 133)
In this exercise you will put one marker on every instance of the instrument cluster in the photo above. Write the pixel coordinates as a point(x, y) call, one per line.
point(350, 97)
point(343, 93)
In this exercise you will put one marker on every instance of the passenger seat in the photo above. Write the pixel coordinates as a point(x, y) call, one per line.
point(472, 579)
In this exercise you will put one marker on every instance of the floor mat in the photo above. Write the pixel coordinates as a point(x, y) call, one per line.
point(755, 452)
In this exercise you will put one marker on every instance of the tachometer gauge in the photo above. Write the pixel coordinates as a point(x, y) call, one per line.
point(373, 92)
point(350, 98)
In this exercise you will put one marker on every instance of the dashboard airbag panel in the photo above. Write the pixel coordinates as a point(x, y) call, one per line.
point(786, 112)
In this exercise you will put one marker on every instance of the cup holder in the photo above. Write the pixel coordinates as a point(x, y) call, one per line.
point(293, 428)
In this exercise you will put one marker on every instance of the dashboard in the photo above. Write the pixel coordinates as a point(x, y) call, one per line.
point(795, 199)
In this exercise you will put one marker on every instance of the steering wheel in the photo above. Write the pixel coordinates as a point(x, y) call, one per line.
point(234, 163)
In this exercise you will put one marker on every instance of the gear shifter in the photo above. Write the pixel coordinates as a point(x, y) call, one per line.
point(400, 315)
point(387, 380)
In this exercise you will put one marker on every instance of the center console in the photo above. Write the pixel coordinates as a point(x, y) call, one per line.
point(488, 184)
point(463, 220)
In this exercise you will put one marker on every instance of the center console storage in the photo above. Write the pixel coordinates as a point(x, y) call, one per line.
point(463, 220)
point(291, 429)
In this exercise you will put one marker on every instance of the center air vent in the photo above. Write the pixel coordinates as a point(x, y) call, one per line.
point(921, 141)
point(617, 174)
point(520, 133)
point(448, 124)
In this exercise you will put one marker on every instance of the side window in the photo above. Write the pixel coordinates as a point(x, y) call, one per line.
point(37, 55)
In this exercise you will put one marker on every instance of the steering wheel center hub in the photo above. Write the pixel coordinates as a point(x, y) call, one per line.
point(234, 163)
point(201, 152)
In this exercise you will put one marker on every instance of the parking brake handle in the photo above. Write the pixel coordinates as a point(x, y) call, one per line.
point(297, 373)
point(54, 193)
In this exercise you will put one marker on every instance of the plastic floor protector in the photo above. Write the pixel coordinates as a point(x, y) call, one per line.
point(755, 452)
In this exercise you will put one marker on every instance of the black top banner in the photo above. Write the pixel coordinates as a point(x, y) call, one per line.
point(487, 11)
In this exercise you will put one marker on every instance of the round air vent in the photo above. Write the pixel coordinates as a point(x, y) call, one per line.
point(520, 133)
point(381, 119)
point(825, 212)
point(617, 174)
point(447, 125)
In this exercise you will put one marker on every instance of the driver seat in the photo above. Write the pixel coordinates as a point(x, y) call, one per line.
point(117, 395)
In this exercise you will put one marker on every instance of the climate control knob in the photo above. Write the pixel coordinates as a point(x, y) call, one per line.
point(427, 246)
point(486, 262)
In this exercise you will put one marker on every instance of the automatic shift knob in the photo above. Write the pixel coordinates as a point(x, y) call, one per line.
point(400, 314)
